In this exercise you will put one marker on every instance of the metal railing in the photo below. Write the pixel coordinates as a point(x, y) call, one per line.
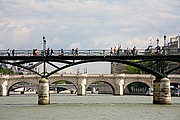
point(122, 52)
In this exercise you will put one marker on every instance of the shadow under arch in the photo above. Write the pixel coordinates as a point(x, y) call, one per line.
point(64, 85)
point(136, 88)
point(102, 87)
point(175, 84)
point(22, 84)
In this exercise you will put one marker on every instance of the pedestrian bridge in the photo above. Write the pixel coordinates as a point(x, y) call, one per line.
point(71, 58)
point(157, 59)
point(81, 82)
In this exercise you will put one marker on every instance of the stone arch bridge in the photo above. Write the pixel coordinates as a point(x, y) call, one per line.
point(118, 82)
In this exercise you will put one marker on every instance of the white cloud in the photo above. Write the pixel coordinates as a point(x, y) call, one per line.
point(87, 24)
point(90, 19)
point(74, 46)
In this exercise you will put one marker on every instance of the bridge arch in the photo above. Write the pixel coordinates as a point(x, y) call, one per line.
point(110, 81)
point(118, 59)
point(100, 88)
point(29, 84)
point(147, 69)
point(71, 79)
point(60, 87)
point(136, 87)
point(146, 79)
point(20, 79)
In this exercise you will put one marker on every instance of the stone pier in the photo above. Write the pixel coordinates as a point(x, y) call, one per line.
point(81, 80)
point(4, 85)
point(43, 92)
point(119, 84)
point(161, 91)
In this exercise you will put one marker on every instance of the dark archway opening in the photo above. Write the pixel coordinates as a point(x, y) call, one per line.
point(62, 87)
point(176, 85)
point(175, 89)
point(100, 87)
point(22, 88)
point(136, 88)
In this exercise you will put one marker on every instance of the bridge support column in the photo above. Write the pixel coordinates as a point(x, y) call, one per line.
point(43, 92)
point(4, 86)
point(3, 89)
point(119, 84)
point(161, 91)
point(82, 84)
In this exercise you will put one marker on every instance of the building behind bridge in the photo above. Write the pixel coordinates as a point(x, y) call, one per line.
point(173, 45)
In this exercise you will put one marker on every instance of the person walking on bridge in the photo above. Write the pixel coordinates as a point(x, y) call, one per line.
point(62, 52)
point(12, 52)
point(76, 52)
point(52, 51)
point(134, 51)
point(47, 52)
point(111, 52)
point(72, 52)
point(115, 51)
point(8, 52)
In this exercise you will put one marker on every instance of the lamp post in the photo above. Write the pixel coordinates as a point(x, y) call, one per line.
point(44, 46)
point(157, 42)
point(43, 91)
point(44, 54)
point(164, 40)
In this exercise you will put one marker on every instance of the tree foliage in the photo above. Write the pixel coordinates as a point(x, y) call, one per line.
point(6, 71)
point(159, 66)
point(133, 70)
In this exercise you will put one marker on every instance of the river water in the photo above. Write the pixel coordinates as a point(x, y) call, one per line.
point(90, 107)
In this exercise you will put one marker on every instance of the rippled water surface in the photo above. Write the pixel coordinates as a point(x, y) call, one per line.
point(90, 107)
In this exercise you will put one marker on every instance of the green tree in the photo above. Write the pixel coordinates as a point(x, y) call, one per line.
point(159, 66)
point(6, 71)
point(133, 70)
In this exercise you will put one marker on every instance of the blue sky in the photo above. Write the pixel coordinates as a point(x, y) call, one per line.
point(87, 24)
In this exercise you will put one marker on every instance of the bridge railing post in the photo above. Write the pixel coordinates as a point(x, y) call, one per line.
point(161, 91)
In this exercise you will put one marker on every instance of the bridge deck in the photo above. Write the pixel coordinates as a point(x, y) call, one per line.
point(71, 58)
point(57, 58)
